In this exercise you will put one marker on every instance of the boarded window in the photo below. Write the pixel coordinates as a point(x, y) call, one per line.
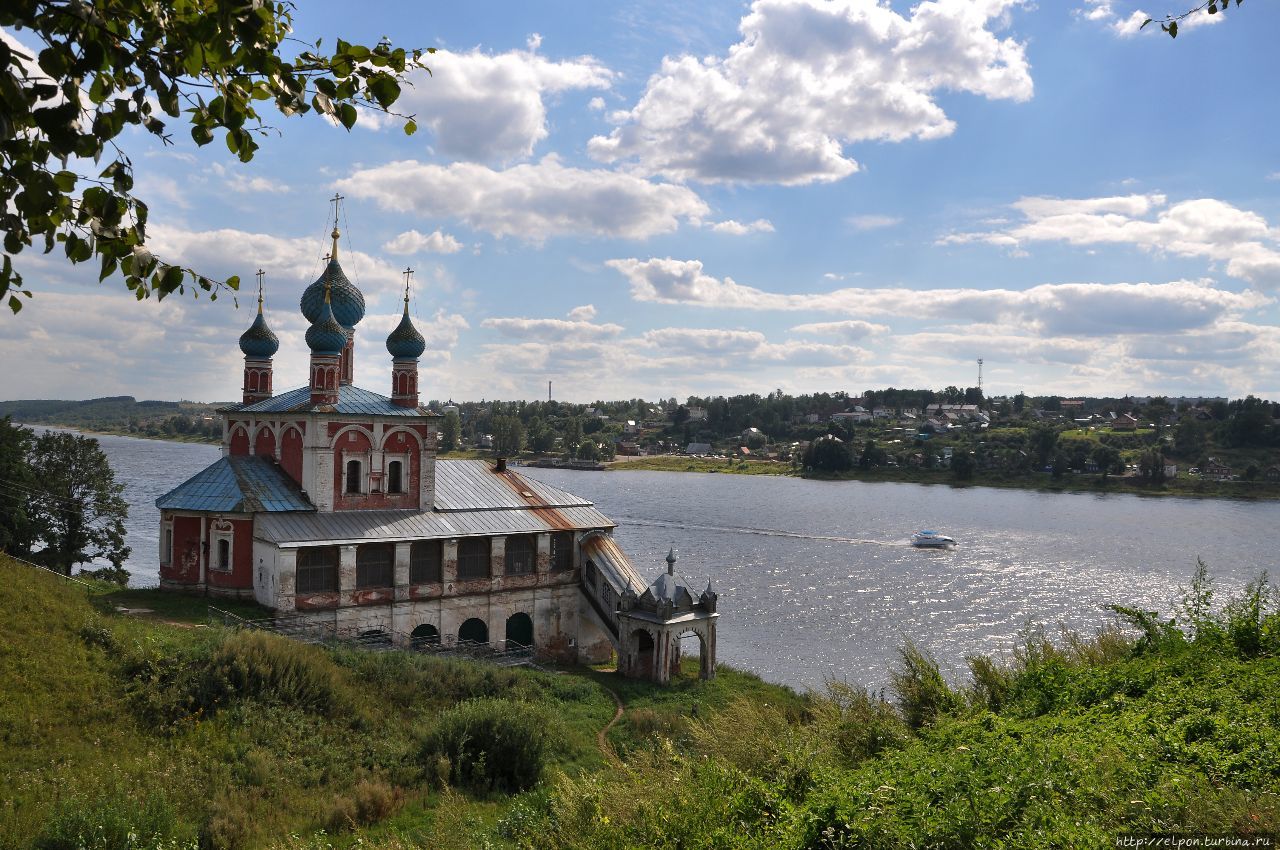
point(562, 550)
point(425, 558)
point(317, 569)
point(473, 558)
point(353, 476)
point(395, 483)
point(224, 553)
point(168, 546)
point(521, 553)
point(375, 565)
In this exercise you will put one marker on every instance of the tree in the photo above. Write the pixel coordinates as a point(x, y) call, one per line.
point(508, 436)
point(450, 431)
point(16, 485)
point(78, 508)
point(1043, 440)
point(1170, 22)
point(102, 66)
point(1151, 466)
point(1107, 459)
point(962, 465)
point(828, 454)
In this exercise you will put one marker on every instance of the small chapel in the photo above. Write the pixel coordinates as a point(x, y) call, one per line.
point(329, 503)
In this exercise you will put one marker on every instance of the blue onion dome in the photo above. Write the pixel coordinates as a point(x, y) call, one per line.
point(405, 343)
point(326, 336)
point(347, 300)
point(259, 341)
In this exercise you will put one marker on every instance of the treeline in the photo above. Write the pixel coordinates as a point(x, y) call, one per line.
point(122, 415)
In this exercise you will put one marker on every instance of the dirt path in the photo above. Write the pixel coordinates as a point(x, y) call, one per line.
point(602, 739)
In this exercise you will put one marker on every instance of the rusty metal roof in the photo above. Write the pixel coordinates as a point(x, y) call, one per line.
point(473, 485)
point(613, 563)
point(360, 526)
point(240, 484)
point(351, 400)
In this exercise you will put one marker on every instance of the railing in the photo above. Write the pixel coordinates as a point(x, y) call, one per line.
point(302, 627)
point(88, 587)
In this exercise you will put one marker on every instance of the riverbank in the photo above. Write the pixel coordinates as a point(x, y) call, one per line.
point(149, 729)
point(125, 432)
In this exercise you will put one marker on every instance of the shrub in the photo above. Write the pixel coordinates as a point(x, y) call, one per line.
point(491, 745)
point(273, 669)
point(923, 695)
point(114, 821)
point(857, 724)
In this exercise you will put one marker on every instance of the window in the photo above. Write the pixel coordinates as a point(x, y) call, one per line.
point(317, 570)
point(224, 553)
point(562, 550)
point(353, 476)
point(473, 558)
point(425, 558)
point(375, 565)
point(521, 553)
point(394, 483)
point(166, 553)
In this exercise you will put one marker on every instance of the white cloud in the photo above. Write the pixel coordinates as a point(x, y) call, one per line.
point(873, 222)
point(596, 104)
point(1202, 227)
point(1064, 308)
point(1127, 26)
point(808, 78)
point(850, 330)
point(737, 228)
point(413, 242)
point(585, 313)
point(533, 201)
point(550, 330)
point(492, 107)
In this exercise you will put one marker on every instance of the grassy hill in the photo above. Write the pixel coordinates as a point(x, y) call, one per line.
point(186, 421)
point(119, 731)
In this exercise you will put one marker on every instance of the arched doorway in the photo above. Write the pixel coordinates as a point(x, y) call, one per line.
point(685, 640)
point(641, 650)
point(424, 636)
point(519, 631)
point(374, 638)
point(473, 631)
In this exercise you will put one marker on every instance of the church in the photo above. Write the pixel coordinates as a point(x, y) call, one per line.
point(329, 502)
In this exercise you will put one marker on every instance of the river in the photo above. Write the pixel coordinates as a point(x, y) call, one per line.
point(816, 578)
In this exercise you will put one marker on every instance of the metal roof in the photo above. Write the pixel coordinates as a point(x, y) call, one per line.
point(473, 485)
point(613, 563)
point(351, 400)
point(241, 484)
point(297, 529)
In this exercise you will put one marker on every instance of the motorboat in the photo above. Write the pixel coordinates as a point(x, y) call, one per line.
point(931, 540)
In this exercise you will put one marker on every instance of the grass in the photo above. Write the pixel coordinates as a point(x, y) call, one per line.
point(120, 731)
point(678, 463)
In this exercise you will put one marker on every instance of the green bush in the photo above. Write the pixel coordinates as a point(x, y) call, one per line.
point(114, 821)
point(271, 668)
point(923, 695)
point(491, 745)
point(856, 724)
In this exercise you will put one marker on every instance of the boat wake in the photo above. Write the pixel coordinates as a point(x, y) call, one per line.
point(764, 532)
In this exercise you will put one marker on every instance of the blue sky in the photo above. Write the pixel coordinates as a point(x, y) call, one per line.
point(663, 199)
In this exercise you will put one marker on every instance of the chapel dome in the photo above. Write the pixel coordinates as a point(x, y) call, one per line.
point(326, 336)
point(405, 343)
point(347, 301)
point(259, 340)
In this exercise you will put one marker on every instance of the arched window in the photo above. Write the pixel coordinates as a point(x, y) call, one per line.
point(224, 553)
point(353, 476)
point(317, 570)
point(375, 565)
point(395, 484)
point(520, 554)
point(425, 558)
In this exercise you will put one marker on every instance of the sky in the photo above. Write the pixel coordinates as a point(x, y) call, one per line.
point(656, 199)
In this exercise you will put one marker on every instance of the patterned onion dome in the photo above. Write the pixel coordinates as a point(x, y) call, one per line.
point(405, 343)
point(326, 336)
point(347, 300)
point(259, 341)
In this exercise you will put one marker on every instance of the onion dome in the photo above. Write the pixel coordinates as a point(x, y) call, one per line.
point(326, 336)
point(259, 341)
point(346, 299)
point(405, 343)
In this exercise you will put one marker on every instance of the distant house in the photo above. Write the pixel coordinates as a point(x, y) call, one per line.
point(697, 414)
point(698, 449)
point(881, 413)
point(1125, 422)
point(630, 427)
point(851, 416)
point(1072, 405)
point(1272, 474)
point(1216, 471)
point(1170, 470)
